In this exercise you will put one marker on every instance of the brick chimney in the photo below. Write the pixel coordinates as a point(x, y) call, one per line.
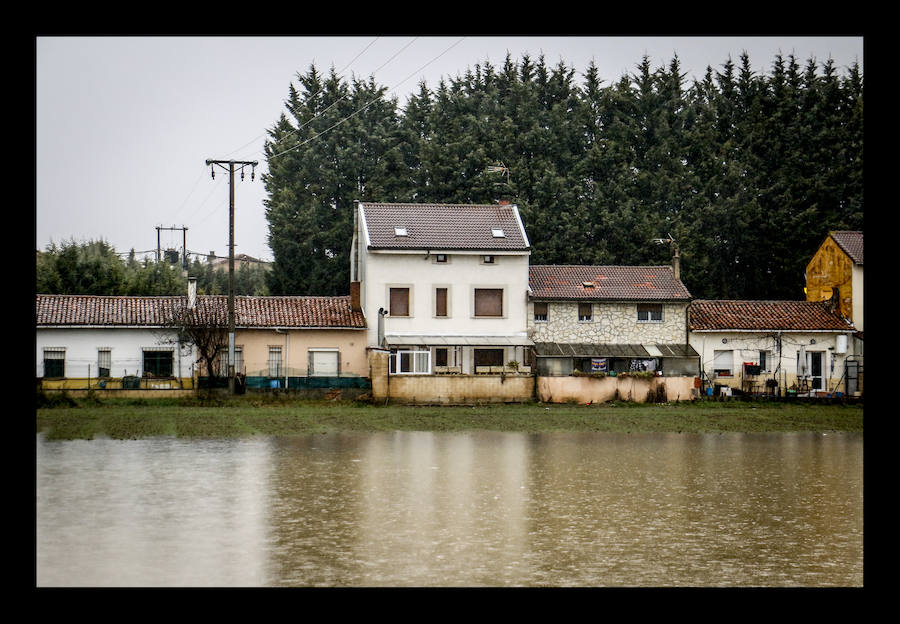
point(355, 304)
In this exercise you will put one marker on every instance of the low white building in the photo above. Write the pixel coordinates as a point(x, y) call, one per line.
point(90, 341)
point(443, 287)
point(775, 346)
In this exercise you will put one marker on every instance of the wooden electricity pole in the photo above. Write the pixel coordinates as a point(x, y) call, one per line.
point(229, 166)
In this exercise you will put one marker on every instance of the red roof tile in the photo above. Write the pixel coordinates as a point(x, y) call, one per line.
point(764, 315)
point(650, 283)
point(444, 226)
point(249, 312)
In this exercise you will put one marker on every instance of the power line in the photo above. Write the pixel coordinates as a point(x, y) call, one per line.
point(312, 96)
point(354, 114)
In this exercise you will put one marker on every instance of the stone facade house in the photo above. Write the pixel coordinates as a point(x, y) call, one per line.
point(609, 319)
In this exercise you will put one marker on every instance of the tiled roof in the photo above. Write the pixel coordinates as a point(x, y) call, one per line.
point(851, 242)
point(444, 226)
point(651, 283)
point(764, 315)
point(249, 312)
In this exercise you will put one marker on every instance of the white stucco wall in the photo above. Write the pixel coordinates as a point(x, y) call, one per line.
point(461, 275)
point(782, 365)
point(126, 345)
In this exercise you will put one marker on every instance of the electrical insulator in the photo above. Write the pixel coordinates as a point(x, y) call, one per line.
point(213, 172)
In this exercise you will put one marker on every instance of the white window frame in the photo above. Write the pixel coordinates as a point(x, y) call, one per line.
point(649, 313)
point(419, 360)
point(719, 356)
point(101, 360)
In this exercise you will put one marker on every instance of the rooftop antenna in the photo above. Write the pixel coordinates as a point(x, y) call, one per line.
point(499, 168)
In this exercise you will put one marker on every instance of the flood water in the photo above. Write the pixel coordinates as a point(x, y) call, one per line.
point(448, 509)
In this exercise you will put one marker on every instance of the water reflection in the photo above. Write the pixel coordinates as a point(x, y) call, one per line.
point(439, 509)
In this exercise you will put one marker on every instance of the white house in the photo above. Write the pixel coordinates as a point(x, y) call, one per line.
point(802, 346)
point(443, 287)
point(105, 342)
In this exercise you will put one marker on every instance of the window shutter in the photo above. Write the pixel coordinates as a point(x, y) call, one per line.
point(488, 302)
point(399, 302)
point(440, 302)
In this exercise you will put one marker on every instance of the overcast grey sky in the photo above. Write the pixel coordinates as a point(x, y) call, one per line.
point(124, 125)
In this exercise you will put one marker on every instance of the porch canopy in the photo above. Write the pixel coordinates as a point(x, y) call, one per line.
point(394, 340)
point(633, 351)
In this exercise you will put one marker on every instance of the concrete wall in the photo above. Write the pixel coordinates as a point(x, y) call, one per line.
point(600, 390)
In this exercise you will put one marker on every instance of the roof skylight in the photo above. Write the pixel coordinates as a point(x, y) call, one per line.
point(497, 233)
point(399, 231)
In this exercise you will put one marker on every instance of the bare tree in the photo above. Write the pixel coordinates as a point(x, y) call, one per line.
point(200, 322)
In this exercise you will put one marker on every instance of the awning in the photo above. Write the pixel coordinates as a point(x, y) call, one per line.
point(636, 351)
point(457, 341)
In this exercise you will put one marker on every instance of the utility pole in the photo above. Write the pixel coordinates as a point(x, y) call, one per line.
point(184, 262)
point(229, 166)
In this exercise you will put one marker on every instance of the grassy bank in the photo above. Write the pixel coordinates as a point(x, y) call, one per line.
point(276, 415)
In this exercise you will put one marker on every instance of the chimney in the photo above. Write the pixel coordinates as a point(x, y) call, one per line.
point(192, 293)
point(676, 264)
point(503, 202)
point(355, 304)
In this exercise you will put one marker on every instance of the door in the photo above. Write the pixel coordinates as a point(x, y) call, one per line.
point(815, 370)
point(323, 363)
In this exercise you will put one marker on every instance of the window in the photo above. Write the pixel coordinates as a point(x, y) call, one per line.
point(221, 362)
point(324, 362)
point(488, 302)
point(441, 258)
point(404, 362)
point(399, 302)
point(440, 356)
point(723, 363)
point(275, 367)
point(540, 311)
point(585, 311)
point(158, 363)
point(104, 362)
point(488, 357)
point(440, 302)
point(54, 362)
point(487, 259)
point(764, 361)
point(399, 231)
point(497, 233)
point(649, 313)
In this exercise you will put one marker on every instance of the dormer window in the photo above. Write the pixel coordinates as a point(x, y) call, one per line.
point(588, 284)
point(497, 233)
point(399, 231)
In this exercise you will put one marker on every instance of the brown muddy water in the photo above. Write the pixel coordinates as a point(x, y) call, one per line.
point(451, 509)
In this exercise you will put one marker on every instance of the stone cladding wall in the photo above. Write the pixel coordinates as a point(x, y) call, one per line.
point(610, 323)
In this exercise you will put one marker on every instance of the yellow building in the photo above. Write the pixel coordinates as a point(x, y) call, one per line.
point(836, 271)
